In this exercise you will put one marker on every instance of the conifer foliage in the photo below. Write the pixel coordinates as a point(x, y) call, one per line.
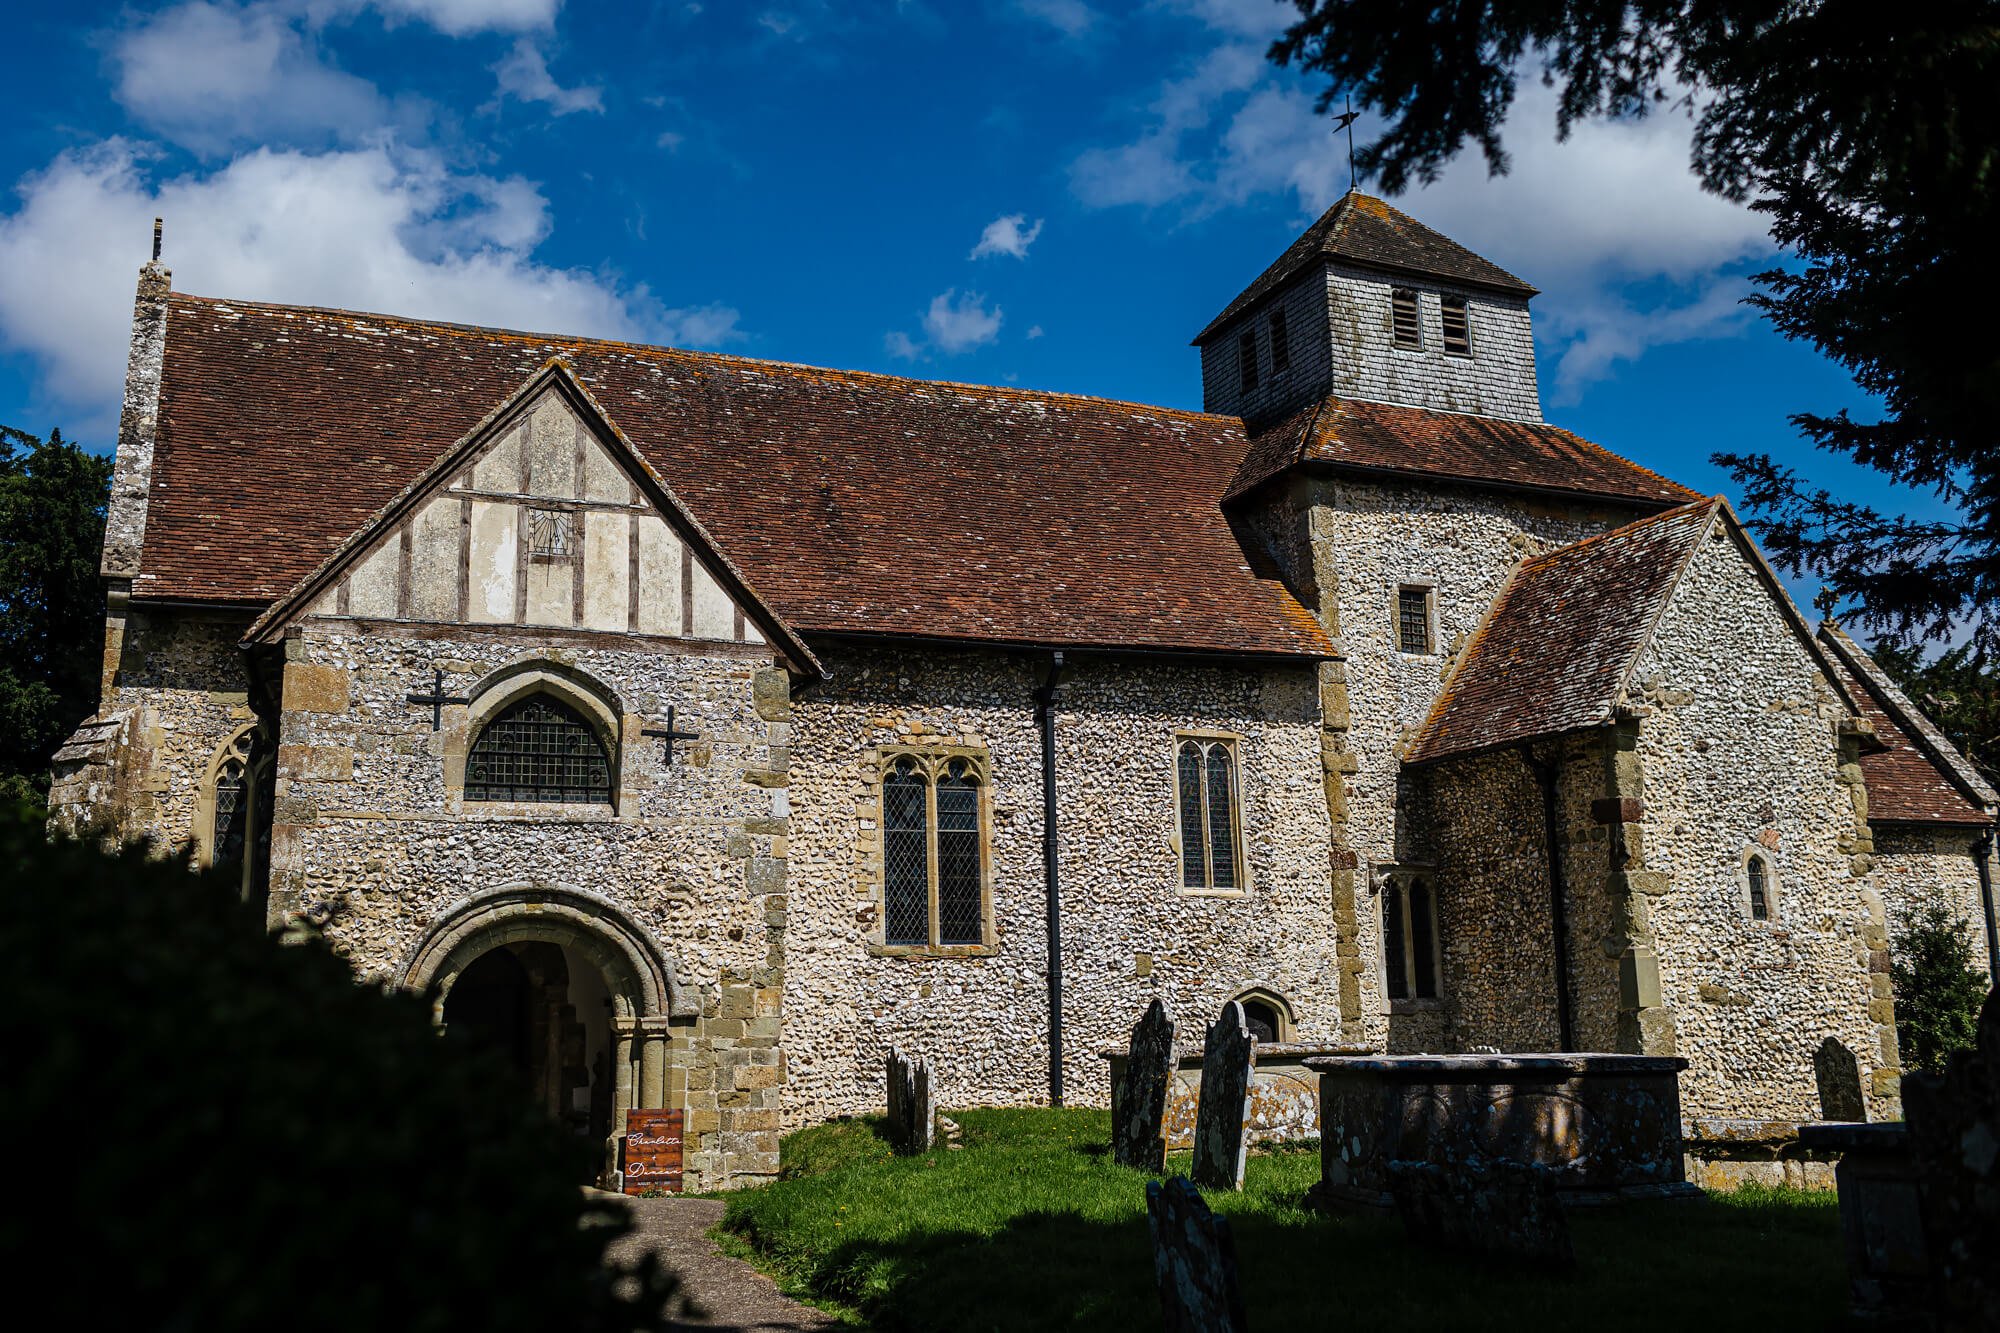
point(1938, 990)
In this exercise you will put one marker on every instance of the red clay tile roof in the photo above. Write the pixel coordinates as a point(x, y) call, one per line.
point(1386, 437)
point(1555, 648)
point(1918, 777)
point(855, 503)
point(1361, 229)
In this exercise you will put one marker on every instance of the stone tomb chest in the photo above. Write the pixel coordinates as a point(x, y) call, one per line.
point(1284, 1094)
point(1608, 1125)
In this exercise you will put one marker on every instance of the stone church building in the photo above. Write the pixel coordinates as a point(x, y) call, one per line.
point(696, 728)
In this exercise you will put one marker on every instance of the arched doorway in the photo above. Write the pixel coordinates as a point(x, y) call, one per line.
point(579, 1006)
point(547, 1014)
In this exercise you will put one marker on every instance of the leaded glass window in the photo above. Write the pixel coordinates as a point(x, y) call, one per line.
point(933, 852)
point(1409, 936)
point(1206, 770)
point(539, 749)
point(1413, 620)
point(232, 810)
point(1758, 872)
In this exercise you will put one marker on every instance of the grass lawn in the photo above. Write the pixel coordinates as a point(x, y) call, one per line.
point(1030, 1226)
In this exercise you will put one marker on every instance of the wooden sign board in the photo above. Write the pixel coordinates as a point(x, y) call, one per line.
point(652, 1158)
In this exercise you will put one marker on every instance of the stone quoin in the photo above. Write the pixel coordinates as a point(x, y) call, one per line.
point(1387, 709)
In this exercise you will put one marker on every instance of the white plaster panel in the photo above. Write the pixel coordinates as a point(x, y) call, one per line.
point(552, 449)
point(434, 561)
point(372, 583)
point(499, 468)
point(495, 550)
point(606, 569)
point(551, 592)
point(659, 576)
point(714, 612)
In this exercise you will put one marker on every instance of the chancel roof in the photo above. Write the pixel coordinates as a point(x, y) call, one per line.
point(855, 503)
point(1554, 650)
point(1918, 776)
point(1364, 436)
point(1361, 229)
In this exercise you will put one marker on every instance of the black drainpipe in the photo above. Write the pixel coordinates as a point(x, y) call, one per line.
point(1545, 776)
point(1046, 698)
point(1982, 857)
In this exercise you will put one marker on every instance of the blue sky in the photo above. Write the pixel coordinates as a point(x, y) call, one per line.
point(1050, 193)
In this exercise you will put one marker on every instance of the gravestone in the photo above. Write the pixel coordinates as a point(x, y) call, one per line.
point(912, 1114)
point(1221, 1134)
point(1489, 1206)
point(1839, 1075)
point(1954, 1136)
point(1139, 1098)
point(1194, 1259)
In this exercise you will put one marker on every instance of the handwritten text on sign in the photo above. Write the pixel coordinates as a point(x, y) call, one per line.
point(653, 1151)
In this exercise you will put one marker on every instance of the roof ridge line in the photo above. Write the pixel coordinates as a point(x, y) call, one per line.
point(663, 349)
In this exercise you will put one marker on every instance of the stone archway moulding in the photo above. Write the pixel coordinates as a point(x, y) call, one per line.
point(642, 981)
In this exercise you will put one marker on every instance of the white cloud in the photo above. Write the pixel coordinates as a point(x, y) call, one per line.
point(206, 75)
point(523, 74)
point(1627, 248)
point(454, 18)
point(1259, 19)
point(960, 322)
point(366, 229)
point(956, 322)
point(1034, 332)
point(1009, 235)
point(1071, 18)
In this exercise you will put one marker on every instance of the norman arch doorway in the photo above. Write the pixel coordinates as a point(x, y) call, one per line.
point(547, 1014)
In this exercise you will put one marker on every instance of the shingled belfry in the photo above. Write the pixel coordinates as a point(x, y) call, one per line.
point(1390, 709)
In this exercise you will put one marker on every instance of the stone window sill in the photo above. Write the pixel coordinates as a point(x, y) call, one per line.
point(1214, 893)
point(567, 812)
point(933, 950)
point(1414, 1006)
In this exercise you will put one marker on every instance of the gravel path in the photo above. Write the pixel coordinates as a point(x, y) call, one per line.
point(735, 1295)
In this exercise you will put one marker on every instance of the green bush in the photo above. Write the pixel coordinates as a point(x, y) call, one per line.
point(214, 1131)
point(1938, 990)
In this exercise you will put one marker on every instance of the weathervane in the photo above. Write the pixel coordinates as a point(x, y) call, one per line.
point(1345, 121)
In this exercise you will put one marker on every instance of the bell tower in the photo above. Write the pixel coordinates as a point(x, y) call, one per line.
point(1370, 303)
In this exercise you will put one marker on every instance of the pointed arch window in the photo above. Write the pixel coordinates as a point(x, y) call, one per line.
point(1410, 952)
point(232, 824)
point(1760, 886)
point(1205, 769)
point(934, 851)
point(538, 750)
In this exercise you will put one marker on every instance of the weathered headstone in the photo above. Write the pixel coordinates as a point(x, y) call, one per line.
point(1221, 1134)
point(1486, 1206)
point(912, 1114)
point(1194, 1258)
point(1139, 1098)
point(1839, 1076)
point(1954, 1131)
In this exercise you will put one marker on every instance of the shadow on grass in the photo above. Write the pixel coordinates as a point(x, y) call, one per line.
point(1032, 1227)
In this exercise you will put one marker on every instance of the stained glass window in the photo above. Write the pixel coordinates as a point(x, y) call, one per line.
point(232, 810)
point(539, 749)
point(906, 888)
point(933, 863)
point(1206, 770)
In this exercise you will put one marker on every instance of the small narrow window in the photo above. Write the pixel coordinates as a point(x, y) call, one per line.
point(1207, 773)
point(1413, 620)
point(1457, 327)
point(1246, 360)
point(1403, 318)
point(933, 857)
point(1759, 876)
point(1409, 937)
point(1281, 344)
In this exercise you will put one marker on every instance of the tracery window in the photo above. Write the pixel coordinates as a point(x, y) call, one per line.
point(538, 749)
point(231, 827)
point(1206, 774)
point(933, 851)
point(1409, 936)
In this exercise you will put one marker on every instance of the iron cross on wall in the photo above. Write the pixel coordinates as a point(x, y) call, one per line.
point(670, 734)
point(437, 699)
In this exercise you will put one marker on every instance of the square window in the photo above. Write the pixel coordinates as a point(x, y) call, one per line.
point(1457, 327)
point(1403, 324)
point(1413, 620)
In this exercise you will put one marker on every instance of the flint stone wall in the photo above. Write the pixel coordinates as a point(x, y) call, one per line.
point(1367, 540)
point(370, 841)
point(182, 680)
point(1919, 866)
point(1739, 750)
point(1130, 933)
